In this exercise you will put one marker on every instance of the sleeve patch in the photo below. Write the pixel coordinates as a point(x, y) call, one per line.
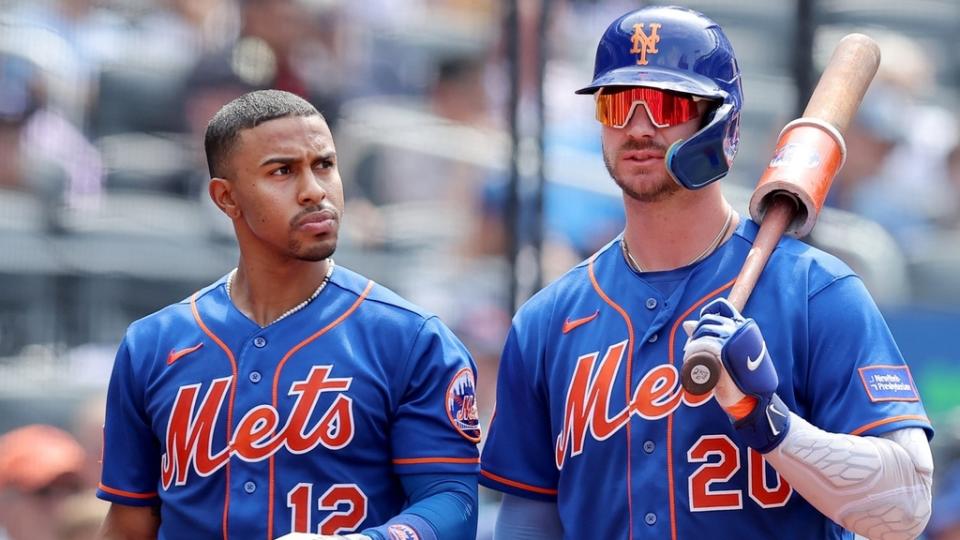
point(402, 532)
point(461, 404)
point(889, 383)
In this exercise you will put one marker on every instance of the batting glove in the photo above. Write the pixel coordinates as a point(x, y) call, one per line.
point(763, 421)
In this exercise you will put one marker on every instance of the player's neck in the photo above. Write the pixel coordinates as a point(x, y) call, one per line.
point(264, 293)
point(672, 233)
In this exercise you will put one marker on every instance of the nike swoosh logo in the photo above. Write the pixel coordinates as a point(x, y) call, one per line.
point(752, 365)
point(569, 325)
point(176, 355)
point(770, 420)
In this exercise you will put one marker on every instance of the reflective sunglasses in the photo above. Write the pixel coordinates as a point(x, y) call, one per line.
point(664, 108)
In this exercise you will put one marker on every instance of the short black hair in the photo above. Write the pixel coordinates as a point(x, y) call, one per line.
point(246, 112)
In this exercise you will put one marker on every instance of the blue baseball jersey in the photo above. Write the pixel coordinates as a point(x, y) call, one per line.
point(590, 411)
point(306, 425)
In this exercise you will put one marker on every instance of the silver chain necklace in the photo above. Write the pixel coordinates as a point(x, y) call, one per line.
point(703, 254)
point(296, 308)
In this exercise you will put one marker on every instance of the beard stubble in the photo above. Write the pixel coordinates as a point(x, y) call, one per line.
point(662, 189)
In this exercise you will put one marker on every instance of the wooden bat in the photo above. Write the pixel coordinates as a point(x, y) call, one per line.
point(791, 192)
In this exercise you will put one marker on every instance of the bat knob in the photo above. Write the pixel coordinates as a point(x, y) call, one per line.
point(700, 374)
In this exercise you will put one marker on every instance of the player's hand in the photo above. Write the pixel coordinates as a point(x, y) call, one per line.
point(748, 384)
point(310, 536)
point(724, 334)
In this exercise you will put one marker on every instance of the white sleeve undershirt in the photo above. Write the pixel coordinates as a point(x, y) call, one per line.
point(877, 487)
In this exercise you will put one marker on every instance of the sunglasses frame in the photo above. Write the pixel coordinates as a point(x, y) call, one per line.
point(646, 107)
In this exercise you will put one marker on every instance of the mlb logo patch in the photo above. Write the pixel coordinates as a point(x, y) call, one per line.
point(889, 383)
point(461, 402)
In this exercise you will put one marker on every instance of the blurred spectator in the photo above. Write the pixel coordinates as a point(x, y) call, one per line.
point(872, 136)
point(274, 49)
point(271, 30)
point(212, 84)
point(87, 426)
point(17, 103)
point(183, 30)
point(41, 151)
point(397, 54)
point(321, 56)
point(40, 467)
point(945, 521)
point(444, 173)
point(897, 146)
point(53, 35)
point(459, 91)
point(282, 44)
point(952, 219)
point(145, 56)
point(893, 175)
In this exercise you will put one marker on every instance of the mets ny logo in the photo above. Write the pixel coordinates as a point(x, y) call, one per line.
point(644, 43)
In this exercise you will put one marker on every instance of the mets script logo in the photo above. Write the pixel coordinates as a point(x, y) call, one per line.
point(461, 403)
point(644, 43)
point(258, 435)
point(587, 407)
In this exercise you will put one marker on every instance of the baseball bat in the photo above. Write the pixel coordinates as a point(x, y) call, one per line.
point(791, 191)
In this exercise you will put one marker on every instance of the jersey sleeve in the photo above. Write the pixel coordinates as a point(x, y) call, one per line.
point(858, 381)
point(131, 456)
point(519, 456)
point(436, 426)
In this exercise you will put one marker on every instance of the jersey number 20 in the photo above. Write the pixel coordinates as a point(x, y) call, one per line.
point(704, 499)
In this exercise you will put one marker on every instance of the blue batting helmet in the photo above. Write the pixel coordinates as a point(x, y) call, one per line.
point(678, 49)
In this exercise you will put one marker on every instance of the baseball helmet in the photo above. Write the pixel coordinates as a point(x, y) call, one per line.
point(678, 49)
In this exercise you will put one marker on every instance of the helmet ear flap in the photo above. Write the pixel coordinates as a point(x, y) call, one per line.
point(707, 155)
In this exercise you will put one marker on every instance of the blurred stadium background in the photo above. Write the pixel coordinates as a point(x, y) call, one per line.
point(472, 172)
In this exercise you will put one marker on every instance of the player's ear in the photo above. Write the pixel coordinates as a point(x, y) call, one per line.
point(221, 192)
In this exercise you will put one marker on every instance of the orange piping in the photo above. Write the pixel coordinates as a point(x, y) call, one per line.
point(672, 360)
point(629, 379)
point(233, 391)
point(276, 378)
point(516, 484)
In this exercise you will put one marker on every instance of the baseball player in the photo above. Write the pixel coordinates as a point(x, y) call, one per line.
point(815, 430)
point(291, 398)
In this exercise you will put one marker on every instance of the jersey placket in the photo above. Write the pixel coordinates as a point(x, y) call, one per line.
point(249, 479)
point(649, 445)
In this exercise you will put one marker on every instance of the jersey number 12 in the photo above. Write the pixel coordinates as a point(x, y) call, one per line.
point(345, 502)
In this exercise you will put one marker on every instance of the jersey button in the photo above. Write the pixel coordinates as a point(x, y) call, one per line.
point(259, 342)
point(650, 518)
point(255, 377)
point(250, 487)
point(652, 339)
point(651, 303)
point(649, 447)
